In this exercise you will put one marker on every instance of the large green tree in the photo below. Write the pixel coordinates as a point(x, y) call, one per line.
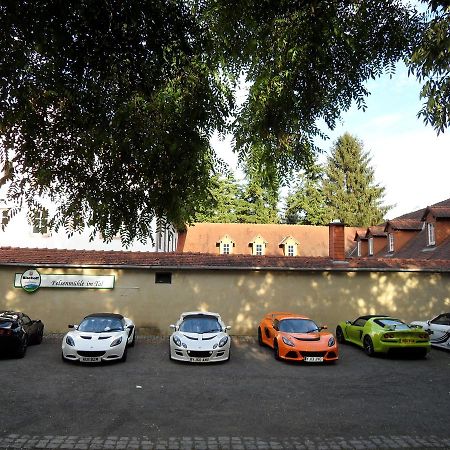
point(305, 202)
point(349, 187)
point(107, 107)
point(238, 202)
point(430, 62)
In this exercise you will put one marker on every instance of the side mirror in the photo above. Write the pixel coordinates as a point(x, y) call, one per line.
point(348, 322)
point(228, 327)
point(324, 327)
point(428, 322)
point(173, 327)
point(70, 326)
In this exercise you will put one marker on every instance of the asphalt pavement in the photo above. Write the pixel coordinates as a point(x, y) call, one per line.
point(252, 401)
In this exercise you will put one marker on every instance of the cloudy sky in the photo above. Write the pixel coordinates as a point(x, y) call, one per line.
point(408, 157)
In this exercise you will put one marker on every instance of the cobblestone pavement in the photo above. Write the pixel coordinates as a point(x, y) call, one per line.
point(14, 441)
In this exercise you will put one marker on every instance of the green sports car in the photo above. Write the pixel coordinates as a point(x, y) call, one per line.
point(383, 334)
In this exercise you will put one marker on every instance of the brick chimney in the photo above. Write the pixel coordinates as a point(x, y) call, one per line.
point(336, 240)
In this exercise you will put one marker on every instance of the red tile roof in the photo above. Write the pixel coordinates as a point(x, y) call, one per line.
point(29, 257)
point(405, 224)
point(439, 212)
point(313, 240)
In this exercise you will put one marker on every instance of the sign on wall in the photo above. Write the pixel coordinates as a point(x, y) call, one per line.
point(31, 280)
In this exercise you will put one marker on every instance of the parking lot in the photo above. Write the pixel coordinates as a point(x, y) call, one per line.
point(252, 401)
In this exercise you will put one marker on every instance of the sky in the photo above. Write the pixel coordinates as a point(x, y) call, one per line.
point(409, 159)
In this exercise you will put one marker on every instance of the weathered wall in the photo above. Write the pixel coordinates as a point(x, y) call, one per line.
point(241, 297)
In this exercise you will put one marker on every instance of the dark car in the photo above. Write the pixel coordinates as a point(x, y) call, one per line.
point(17, 331)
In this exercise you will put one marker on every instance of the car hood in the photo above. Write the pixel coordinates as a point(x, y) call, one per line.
point(95, 341)
point(201, 341)
point(317, 336)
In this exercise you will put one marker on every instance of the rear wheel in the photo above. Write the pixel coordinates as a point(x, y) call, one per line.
point(22, 349)
point(260, 341)
point(39, 337)
point(368, 346)
point(340, 336)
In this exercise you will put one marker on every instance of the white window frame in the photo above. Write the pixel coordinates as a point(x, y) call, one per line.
point(391, 242)
point(431, 234)
point(259, 250)
point(40, 222)
point(358, 248)
point(290, 250)
point(226, 248)
point(370, 246)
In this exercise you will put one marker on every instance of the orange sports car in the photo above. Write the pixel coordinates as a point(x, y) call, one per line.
point(297, 338)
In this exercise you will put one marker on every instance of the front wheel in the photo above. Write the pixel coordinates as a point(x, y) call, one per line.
point(340, 336)
point(276, 351)
point(133, 341)
point(124, 356)
point(368, 346)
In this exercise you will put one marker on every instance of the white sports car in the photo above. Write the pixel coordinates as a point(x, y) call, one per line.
point(200, 337)
point(99, 337)
point(439, 329)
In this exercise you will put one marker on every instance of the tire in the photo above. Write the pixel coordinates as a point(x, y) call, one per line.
point(39, 336)
point(368, 346)
point(133, 341)
point(125, 354)
point(22, 349)
point(340, 336)
point(260, 341)
point(276, 352)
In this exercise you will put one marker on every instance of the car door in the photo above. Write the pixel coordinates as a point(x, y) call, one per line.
point(440, 326)
point(355, 330)
point(269, 331)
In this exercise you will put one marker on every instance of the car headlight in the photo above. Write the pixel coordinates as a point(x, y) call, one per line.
point(116, 341)
point(223, 341)
point(331, 341)
point(287, 341)
point(176, 340)
point(70, 341)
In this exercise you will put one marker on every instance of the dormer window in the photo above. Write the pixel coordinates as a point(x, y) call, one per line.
point(289, 246)
point(370, 246)
point(40, 222)
point(225, 245)
point(258, 246)
point(431, 234)
point(391, 242)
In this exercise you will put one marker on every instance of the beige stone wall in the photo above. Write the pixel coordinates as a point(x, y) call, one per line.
point(241, 297)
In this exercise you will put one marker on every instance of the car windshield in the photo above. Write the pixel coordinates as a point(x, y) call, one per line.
point(392, 323)
point(200, 324)
point(298, 326)
point(100, 325)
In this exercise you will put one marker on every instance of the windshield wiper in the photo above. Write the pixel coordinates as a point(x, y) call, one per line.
point(210, 331)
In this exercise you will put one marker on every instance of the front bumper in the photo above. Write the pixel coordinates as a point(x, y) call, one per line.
point(93, 356)
point(197, 356)
point(316, 355)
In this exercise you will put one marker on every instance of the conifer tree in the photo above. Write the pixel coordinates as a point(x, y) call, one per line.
point(351, 193)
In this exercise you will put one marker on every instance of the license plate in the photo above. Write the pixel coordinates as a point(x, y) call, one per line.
point(408, 341)
point(314, 358)
point(199, 359)
point(90, 359)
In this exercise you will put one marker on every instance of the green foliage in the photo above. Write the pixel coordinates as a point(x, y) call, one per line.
point(233, 202)
point(303, 62)
point(344, 189)
point(430, 62)
point(305, 203)
point(349, 187)
point(107, 108)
